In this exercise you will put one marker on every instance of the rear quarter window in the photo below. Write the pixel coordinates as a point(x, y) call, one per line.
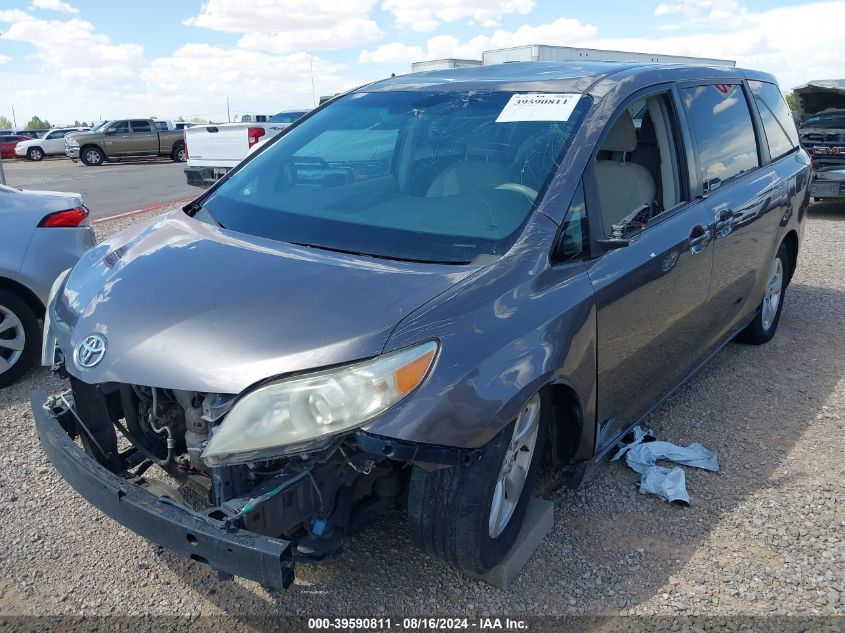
point(781, 133)
point(720, 123)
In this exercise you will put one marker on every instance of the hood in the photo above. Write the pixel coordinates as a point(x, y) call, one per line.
point(185, 305)
point(819, 96)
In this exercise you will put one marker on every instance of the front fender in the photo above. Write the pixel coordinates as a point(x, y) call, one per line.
point(504, 334)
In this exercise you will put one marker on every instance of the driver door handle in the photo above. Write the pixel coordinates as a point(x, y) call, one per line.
point(699, 238)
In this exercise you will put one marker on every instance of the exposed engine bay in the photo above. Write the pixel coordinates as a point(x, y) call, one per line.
point(311, 499)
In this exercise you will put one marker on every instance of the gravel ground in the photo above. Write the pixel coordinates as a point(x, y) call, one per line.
point(765, 535)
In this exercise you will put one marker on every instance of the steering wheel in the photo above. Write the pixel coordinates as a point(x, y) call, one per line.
point(525, 190)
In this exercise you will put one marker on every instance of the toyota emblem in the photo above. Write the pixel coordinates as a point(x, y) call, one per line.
point(90, 351)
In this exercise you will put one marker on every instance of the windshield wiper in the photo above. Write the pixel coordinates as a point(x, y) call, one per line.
point(199, 212)
point(388, 257)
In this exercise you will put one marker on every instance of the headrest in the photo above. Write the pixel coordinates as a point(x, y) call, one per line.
point(623, 136)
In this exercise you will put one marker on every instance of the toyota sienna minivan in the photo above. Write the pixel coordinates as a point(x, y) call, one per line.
point(421, 294)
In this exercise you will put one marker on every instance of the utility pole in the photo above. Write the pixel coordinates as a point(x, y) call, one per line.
point(14, 120)
point(2, 173)
point(228, 116)
point(313, 92)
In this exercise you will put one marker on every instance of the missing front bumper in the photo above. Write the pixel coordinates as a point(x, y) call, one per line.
point(235, 551)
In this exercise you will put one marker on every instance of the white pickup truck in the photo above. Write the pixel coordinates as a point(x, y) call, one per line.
point(215, 149)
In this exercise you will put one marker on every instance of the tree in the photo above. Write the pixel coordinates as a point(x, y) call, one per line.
point(78, 124)
point(5, 123)
point(792, 100)
point(199, 120)
point(36, 123)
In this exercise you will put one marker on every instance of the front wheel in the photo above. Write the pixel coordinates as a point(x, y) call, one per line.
point(92, 156)
point(765, 324)
point(35, 154)
point(470, 515)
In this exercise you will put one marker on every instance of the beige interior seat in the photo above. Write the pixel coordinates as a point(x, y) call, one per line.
point(623, 186)
point(466, 176)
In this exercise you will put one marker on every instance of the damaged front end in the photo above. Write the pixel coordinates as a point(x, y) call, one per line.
point(253, 519)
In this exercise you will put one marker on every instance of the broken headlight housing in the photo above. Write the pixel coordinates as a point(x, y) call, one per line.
point(292, 414)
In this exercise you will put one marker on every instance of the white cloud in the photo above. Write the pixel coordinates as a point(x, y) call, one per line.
point(698, 8)
point(561, 32)
point(426, 15)
point(344, 35)
point(54, 5)
point(5, 59)
point(86, 54)
point(277, 16)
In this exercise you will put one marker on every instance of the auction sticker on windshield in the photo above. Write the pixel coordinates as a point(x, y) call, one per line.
point(538, 106)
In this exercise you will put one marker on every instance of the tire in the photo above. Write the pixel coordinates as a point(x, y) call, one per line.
point(765, 324)
point(179, 154)
point(35, 154)
point(92, 156)
point(20, 337)
point(450, 511)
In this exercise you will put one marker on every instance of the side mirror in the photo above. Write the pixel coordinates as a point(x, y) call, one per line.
point(110, 131)
point(612, 243)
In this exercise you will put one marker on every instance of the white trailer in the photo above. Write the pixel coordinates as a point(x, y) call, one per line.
point(544, 53)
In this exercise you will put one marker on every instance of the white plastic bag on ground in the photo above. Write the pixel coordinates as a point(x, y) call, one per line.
point(670, 483)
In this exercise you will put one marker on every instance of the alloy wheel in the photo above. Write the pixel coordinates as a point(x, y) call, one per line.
point(515, 467)
point(12, 339)
point(771, 298)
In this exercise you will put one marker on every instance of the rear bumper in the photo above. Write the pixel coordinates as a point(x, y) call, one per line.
point(236, 551)
point(200, 176)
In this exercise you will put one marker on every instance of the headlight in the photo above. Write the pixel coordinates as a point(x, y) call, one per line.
point(71, 142)
point(287, 415)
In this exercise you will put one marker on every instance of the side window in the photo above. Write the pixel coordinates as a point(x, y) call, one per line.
point(720, 122)
point(781, 133)
point(639, 166)
point(161, 126)
point(55, 135)
point(121, 127)
point(573, 242)
point(141, 126)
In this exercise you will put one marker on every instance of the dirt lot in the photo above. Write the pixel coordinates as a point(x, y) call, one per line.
point(765, 535)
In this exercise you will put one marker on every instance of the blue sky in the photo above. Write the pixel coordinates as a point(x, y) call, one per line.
point(82, 59)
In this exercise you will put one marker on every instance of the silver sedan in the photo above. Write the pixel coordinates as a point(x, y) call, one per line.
point(43, 233)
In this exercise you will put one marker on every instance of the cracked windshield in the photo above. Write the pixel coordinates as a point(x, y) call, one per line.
point(408, 175)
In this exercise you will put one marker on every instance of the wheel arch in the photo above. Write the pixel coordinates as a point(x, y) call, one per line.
point(567, 428)
point(790, 240)
point(25, 294)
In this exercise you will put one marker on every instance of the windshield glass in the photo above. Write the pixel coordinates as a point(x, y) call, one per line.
point(423, 176)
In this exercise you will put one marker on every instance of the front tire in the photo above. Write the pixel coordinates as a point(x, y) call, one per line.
point(470, 515)
point(765, 324)
point(92, 156)
point(20, 337)
point(35, 154)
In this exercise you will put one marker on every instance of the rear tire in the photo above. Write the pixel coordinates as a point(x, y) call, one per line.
point(453, 511)
point(765, 324)
point(92, 156)
point(20, 337)
point(35, 154)
point(179, 153)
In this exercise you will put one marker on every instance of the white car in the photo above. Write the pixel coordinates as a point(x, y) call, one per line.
point(52, 142)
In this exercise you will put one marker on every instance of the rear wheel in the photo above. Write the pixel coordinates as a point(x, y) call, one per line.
point(765, 324)
point(470, 515)
point(179, 154)
point(92, 156)
point(20, 337)
point(35, 153)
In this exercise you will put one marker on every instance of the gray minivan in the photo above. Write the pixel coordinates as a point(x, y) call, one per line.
point(423, 292)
